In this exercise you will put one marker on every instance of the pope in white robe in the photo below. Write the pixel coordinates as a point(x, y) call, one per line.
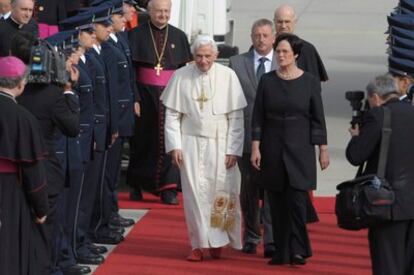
point(204, 134)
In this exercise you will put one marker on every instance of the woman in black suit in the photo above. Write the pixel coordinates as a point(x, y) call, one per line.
point(288, 121)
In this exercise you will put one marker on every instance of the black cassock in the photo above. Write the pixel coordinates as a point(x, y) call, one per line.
point(310, 61)
point(22, 190)
point(149, 167)
point(9, 28)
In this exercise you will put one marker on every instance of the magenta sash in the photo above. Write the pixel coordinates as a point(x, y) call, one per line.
point(149, 76)
point(7, 166)
point(47, 30)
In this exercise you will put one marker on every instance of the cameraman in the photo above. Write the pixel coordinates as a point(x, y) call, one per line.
point(391, 243)
point(56, 109)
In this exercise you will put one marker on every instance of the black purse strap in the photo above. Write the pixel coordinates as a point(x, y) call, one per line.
point(385, 142)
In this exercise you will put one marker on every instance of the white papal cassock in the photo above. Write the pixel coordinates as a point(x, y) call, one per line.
point(204, 119)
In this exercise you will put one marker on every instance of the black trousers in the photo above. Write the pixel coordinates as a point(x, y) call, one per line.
point(112, 173)
point(288, 211)
point(92, 177)
point(249, 200)
point(392, 248)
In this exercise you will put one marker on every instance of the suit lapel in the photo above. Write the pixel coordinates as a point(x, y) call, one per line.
point(249, 63)
point(273, 66)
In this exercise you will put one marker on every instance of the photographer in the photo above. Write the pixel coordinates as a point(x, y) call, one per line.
point(391, 243)
point(57, 110)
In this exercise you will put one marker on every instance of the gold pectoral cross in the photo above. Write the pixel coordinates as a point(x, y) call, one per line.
point(201, 99)
point(158, 68)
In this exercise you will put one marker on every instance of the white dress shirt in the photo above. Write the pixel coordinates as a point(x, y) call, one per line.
point(268, 62)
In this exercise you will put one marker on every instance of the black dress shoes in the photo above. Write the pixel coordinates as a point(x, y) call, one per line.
point(275, 261)
point(249, 248)
point(136, 195)
point(108, 238)
point(269, 251)
point(76, 270)
point(119, 221)
point(90, 259)
point(169, 197)
point(297, 260)
point(97, 249)
point(116, 229)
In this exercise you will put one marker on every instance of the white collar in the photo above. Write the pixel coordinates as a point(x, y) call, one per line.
point(11, 96)
point(113, 36)
point(257, 56)
point(403, 97)
point(97, 48)
point(5, 15)
point(83, 58)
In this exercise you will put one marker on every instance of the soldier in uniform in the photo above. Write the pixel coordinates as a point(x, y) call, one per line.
point(93, 137)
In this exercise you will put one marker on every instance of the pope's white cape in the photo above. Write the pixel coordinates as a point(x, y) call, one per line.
point(205, 137)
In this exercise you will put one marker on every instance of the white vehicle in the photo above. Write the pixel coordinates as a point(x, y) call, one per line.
point(209, 17)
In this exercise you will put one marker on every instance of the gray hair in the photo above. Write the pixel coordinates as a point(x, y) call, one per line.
point(203, 40)
point(263, 22)
point(13, 82)
point(382, 85)
point(14, 3)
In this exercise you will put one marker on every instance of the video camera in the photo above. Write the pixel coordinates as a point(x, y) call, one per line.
point(47, 65)
point(356, 100)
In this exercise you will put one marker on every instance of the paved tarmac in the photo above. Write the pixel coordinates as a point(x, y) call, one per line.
point(349, 35)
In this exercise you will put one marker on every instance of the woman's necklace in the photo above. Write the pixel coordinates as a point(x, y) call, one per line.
point(202, 98)
point(285, 75)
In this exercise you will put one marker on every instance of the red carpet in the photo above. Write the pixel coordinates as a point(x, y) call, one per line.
point(159, 245)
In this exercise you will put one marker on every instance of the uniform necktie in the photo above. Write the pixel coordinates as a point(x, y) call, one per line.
point(261, 68)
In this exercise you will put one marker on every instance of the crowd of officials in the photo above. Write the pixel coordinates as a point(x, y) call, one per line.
point(60, 157)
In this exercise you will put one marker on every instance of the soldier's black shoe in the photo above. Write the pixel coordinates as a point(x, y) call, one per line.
point(97, 249)
point(169, 197)
point(136, 195)
point(108, 238)
point(120, 221)
point(90, 259)
point(116, 229)
point(76, 270)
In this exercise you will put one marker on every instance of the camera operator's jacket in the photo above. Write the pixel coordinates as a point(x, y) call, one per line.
point(399, 170)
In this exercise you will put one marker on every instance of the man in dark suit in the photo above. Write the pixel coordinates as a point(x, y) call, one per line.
point(5, 9)
point(391, 243)
point(20, 19)
point(309, 60)
point(249, 67)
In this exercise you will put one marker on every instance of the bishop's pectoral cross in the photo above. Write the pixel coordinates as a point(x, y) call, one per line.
point(201, 99)
point(158, 68)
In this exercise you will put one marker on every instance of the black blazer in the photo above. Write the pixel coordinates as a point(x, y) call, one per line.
point(399, 171)
point(288, 120)
point(57, 113)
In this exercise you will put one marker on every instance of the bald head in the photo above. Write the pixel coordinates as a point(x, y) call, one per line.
point(285, 19)
point(159, 12)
